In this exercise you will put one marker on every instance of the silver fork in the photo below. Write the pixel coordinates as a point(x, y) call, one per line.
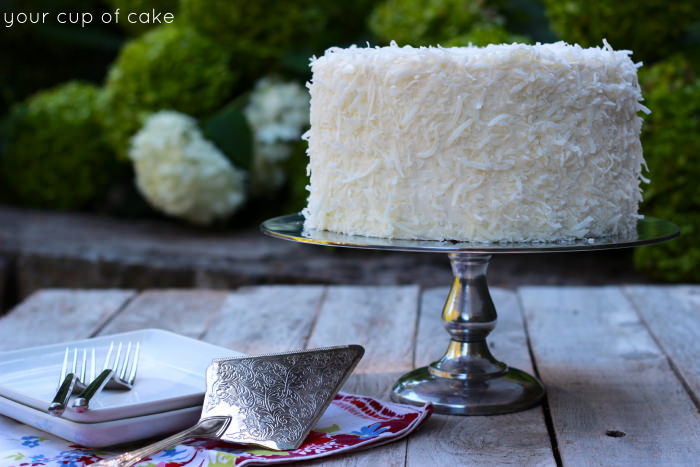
point(70, 382)
point(117, 374)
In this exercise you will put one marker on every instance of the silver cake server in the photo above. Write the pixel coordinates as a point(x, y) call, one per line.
point(271, 401)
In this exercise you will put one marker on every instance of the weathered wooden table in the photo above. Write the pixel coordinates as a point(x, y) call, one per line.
point(620, 364)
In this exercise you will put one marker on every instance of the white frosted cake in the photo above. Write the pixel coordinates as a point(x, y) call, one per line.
point(501, 143)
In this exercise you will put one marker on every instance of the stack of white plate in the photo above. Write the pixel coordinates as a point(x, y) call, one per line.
point(167, 395)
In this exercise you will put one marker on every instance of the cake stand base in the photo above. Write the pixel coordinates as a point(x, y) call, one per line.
point(468, 380)
point(512, 391)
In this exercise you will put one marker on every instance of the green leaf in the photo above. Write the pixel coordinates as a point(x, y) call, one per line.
point(222, 459)
point(329, 429)
point(229, 130)
point(4, 124)
point(296, 61)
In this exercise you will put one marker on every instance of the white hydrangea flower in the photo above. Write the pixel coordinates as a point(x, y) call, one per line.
point(277, 113)
point(181, 173)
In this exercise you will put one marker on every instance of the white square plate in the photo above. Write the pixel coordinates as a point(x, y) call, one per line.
point(103, 434)
point(171, 375)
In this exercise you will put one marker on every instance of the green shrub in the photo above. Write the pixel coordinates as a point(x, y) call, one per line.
point(345, 24)
point(138, 6)
point(526, 18)
point(671, 140)
point(34, 57)
point(650, 28)
point(432, 22)
point(54, 154)
point(169, 67)
point(484, 34)
point(271, 26)
point(257, 33)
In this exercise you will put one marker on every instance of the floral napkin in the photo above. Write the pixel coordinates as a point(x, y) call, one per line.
point(351, 422)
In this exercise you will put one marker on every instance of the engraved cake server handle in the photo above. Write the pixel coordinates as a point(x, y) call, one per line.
point(212, 427)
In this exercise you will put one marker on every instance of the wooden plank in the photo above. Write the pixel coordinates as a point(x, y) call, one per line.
point(520, 438)
point(672, 315)
point(267, 319)
point(613, 398)
point(186, 312)
point(382, 320)
point(53, 315)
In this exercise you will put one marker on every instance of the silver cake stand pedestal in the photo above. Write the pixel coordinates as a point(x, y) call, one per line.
point(468, 380)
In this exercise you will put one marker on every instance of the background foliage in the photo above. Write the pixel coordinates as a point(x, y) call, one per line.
point(41, 165)
point(169, 67)
point(433, 22)
point(671, 141)
point(64, 147)
point(652, 29)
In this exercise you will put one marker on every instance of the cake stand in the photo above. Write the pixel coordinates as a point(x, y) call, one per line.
point(468, 380)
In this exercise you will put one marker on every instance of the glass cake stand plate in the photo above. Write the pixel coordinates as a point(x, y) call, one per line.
point(468, 380)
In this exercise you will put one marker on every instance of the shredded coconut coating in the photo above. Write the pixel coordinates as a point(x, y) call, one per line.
point(501, 143)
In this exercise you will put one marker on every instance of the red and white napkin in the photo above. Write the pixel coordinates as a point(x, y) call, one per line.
point(350, 423)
